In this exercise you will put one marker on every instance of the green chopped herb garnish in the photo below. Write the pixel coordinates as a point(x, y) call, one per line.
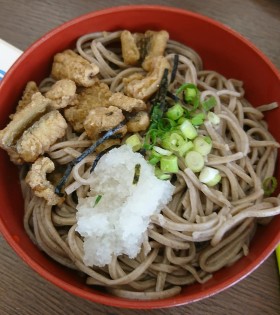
point(98, 198)
point(209, 103)
point(157, 112)
point(198, 119)
point(190, 94)
point(174, 130)
point(175, 112)
point(169, 164)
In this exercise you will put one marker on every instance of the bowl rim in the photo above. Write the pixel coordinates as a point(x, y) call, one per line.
point(120, 302)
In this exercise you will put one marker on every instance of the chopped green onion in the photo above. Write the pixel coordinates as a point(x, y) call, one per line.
point(175, 112)
point(166, 124)
point(213, 118)
point(161, 151)
point(209, 103)
point(181, 120)
point(194, 161)
point(184, 148)
point(172, 141)
point(188, 130)
point(176, 143)
point(134, 142)
point(269, 185)
point(209, 176)
point(151, 138)
point(190, 90)
point(198, 119)
point(155, 153)
point(98, 198)
point(169, 164)
point(202, 146)
point(176, 138)
point(191, 93)
point(207, 139)
point(161, 175)
point(181, 88)
point(153, 160)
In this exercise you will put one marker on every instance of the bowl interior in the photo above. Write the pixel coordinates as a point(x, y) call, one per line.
point(235, 58)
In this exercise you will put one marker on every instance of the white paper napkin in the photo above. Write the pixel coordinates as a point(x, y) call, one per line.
point(8, 55)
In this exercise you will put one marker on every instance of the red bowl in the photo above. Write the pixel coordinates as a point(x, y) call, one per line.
point(236, 58)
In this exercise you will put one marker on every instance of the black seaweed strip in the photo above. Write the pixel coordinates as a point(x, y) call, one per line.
point(99, 156)
point(88, 151)
point(174, 97)
point(174, 69)
point(136, 174)
point(162, 92)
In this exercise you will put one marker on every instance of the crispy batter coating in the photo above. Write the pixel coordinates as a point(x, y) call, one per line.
point(130, 51)
point(94, 96)
point(30, 89)
point(156, 44)
point(143, 89)
point(102, 119)
point(38, 138)
point(69, 65)
point(62, 93)
point(22, 119)
point(139, 46)
point(37, 180)
point(127, 103)
point(139, 122)
point(15, 157)
point(132, 77)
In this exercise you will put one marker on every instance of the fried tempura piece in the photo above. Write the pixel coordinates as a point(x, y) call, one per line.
point(62, 93)
point(127, 103)
point(94, 96)
point(132, 77)
point(69, 65)
point(139, 122)
point(38, 138)
point(143, 89)
point(15, 157)
point(156, 44)
point(36, 179)
point(102, 119)
point(23, 119)
point(130, 51)
point(146, 46)
point(30, 89)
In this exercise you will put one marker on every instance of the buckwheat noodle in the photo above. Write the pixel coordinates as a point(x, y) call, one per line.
point(202, 229)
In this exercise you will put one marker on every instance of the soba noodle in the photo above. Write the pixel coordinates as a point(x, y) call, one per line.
point(202, 229)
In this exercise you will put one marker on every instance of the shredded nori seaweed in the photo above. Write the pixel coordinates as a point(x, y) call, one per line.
point(159, 102)
point(88, 151)
point(158, 108)
point(162, 91)
point(99, 156)
point(174, 97)
point(136, 174)
point(174, 69)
